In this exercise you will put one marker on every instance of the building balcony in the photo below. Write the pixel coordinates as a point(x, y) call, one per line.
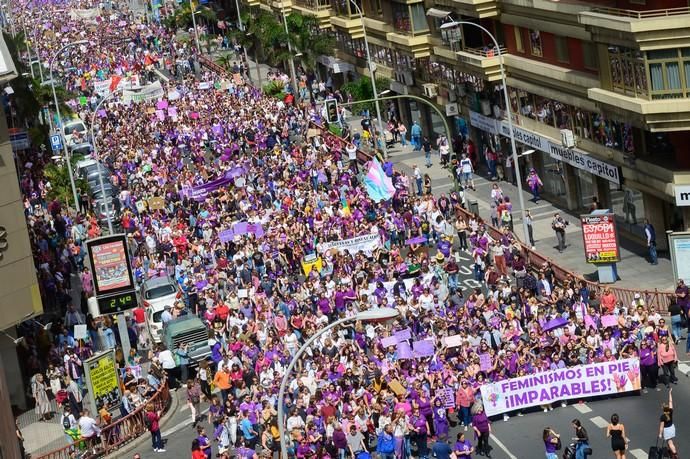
point(417, 45)
point(473, 8)
point(376, 25)
point(657, 115)
point(351, 25)
point(281, 6)
point(320, 9)
point(651, 29)
point(482, 62)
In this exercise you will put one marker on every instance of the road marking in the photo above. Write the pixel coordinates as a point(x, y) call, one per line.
point(639, 454)
point(182, 425)
point(600, 422)
point(684, 368)
point(582, 408)
point(503, 447)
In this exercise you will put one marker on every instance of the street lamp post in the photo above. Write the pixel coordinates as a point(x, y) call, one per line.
point(506, 97)
point(57, 111)
point(293, 74)
point(240, 26)
point(371, 315)
point(98, 159)
point(196, 32)
point(372, 75)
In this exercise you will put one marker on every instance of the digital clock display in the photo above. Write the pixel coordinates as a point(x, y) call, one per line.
point(117, 303)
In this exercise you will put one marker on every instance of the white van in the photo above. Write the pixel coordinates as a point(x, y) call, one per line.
point(75, 129)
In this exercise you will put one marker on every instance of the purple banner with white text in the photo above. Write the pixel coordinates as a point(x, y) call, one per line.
point(578, 382)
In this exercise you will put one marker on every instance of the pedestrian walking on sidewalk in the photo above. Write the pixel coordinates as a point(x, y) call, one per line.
point(152, 419)
point(650, 233)
point(534, 183)
point(558, 225)
point(466, 171)
point(417, 178)
point(416, 136)
point(402, 130)
point(426, 146)
point(530, 229)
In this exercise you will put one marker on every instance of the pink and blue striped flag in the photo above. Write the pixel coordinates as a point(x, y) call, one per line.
point(379, 185)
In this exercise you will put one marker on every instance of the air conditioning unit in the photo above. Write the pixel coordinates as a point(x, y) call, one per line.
point(430, 89)
point(452, 109)
point(567, 138)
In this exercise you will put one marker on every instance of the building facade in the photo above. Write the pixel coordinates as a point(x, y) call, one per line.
point(613, 77)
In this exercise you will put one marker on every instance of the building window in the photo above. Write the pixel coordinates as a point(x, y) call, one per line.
point(666, 81)
point(419, 22)
point(518, 39)
point(535, 45)
point(589, 55)
point(401, 18)
point(628, 72)
point(562, 52)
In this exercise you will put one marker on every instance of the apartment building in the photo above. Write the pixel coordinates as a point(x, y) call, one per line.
point(599, 89)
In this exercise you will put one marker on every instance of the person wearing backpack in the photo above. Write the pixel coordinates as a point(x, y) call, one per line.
point(70, 425)
point(151, 420)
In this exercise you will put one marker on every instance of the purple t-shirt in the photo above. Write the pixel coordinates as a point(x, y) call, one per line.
point(549, 445)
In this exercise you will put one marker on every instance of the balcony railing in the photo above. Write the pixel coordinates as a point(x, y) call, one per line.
point(634, 14)
point(316, 5)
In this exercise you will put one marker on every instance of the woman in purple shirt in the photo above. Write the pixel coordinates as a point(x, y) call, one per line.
point(463, 448)
point(482, 429)
point(648, 365)
point(551, 440)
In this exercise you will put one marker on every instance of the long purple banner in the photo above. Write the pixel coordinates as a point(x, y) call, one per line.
point(200, 192)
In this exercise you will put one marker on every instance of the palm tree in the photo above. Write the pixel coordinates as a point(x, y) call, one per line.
point(307, 39)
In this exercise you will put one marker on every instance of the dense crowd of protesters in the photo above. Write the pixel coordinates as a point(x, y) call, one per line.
point(350, 394)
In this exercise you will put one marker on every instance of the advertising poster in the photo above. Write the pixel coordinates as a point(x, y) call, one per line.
point(110, 266)
point(600, 238)
point(679, 245)
point(102, 379)
point(579, 382)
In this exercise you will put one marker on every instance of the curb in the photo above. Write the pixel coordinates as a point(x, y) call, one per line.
point(141, 439)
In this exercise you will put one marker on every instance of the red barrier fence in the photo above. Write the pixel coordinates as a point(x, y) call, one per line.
point(661, 299)
point(116, 434)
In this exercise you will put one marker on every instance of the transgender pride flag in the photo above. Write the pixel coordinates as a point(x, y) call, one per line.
point(379, 185)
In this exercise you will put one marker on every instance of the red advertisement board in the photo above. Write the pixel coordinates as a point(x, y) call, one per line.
point(600, 238)
point(110, 265)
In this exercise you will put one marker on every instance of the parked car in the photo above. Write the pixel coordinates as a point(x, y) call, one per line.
point(75, 129)
point(106, 209)
point(81, 149)
point(85, 166)
point(157, 293)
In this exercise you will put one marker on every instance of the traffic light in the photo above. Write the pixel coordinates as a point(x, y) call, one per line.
point(331, 110)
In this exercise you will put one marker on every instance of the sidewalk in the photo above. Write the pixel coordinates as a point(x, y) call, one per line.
point(633, 270)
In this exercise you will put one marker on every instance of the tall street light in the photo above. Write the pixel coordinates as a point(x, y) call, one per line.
point(370, 65)
point(57, 111)
point(240, 26)
point(447, 15)
point(293, 74)
point(98, 159)
point(371, 315)
point(196, 32)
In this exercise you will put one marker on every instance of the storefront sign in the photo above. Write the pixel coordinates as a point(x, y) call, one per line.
point(579, 382)
point(682, 195)
point(600, 238)
point(577, 158)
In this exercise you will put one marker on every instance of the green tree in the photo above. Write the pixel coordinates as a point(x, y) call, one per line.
point(308, 39)
point(61, 189)
point(182, 19)
point(361, 89)
point(268, 32)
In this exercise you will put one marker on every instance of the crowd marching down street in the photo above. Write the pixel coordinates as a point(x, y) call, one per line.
point(317, 240)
